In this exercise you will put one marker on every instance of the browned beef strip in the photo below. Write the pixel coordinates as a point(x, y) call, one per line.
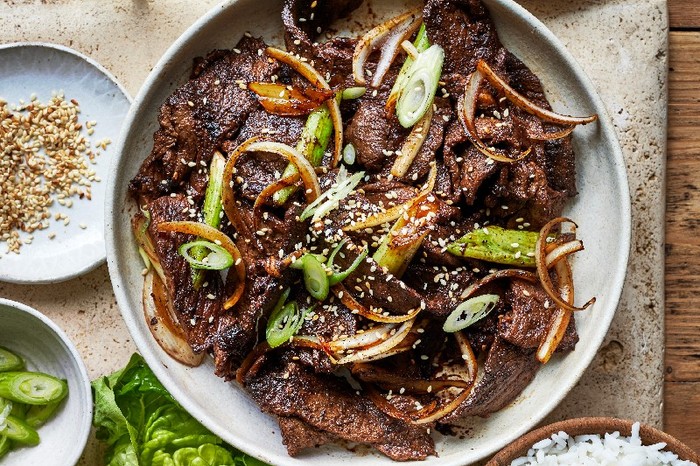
point(194, 121)
point(525, 325)
point(297, 435)
point(195, 309)
point(464, 29)
point(439, 286)
point(304, 23)
point(285, 388)
point(507, 371)
point(240, 329)
point(384, 291)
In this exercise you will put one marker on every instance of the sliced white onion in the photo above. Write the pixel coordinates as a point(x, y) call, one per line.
point(164, 329)
point(380, 350)
point(561, 317)
point(367, 338)
point(562, 251)
point(527, 105)
point(390, 33)
point(466, 109)
point(310, 73)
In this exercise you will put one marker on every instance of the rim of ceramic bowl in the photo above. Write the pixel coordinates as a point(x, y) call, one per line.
point(592, 425)
point(116, 208)
point(84, 382)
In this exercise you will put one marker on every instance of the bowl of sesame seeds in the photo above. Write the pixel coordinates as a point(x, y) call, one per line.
point(59, 113)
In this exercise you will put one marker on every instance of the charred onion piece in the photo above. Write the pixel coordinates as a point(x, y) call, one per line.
point(287, 100)
point(269, 191)
point(543, 269)
point(379, 350)
point(389, 34)
point(561, 317)
point(412, 145)
point(466, 109)
point(310, 73)
point(374, 315)
point(472, 368)
point(162, 324)
point(397, 211)
point(217, 237)
point(523, 103)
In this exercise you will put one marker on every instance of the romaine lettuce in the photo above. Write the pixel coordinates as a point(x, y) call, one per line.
point(144, 426)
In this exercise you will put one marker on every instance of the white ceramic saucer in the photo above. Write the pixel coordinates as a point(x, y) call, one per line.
point(44, 69)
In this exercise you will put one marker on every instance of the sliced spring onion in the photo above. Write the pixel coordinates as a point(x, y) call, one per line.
point(412, 145)
point(37, 415)
point(215, 257)
point(312, 144)
point(5, 410)
point(5, 445)
point(21, 432)
point(211, 209)
point(352, 93)
point(330, 199)
point(285, 321)
point(418, 91)
point(338, 277)
point(421, 44)
point(349, 154)
point(32, 388)
point(470, 311)
point(9, 361)
point(499, 245)
point(315, 276)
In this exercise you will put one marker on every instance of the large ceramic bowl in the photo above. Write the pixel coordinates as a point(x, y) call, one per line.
point(46, 348)
point(602, 211)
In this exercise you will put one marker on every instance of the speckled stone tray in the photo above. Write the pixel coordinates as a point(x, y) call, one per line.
point(621, 44)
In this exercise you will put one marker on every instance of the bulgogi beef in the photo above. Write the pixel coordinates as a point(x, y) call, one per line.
point(387, 325)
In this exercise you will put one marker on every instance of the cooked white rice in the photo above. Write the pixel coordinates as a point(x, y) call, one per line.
point(594, 450)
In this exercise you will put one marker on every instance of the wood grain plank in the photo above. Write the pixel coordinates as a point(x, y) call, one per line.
point(682, 403)
point(683, 14)
point(683, 213)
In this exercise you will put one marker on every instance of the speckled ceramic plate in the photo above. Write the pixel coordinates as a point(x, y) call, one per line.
point(46, 348)
point(42, 70)
point(602, 210)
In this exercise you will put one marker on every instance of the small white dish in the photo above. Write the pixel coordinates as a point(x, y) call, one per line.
point(44, 69)
point(46, 348)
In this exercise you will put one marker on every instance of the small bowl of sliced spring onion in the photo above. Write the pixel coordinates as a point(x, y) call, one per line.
point(45, 397)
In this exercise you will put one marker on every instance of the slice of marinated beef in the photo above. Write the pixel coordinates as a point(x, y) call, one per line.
point(329, 404)
point(373, 287)
point(440, 287)
point(297, 435)
point(375, 133)
point(507, 371)
point(194, 121)
point(525, 325)
point(305, 20)
point(464, 29)
point(239, 329)
point(196, 310)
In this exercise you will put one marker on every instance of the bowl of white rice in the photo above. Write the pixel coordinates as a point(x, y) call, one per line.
point(596, 441)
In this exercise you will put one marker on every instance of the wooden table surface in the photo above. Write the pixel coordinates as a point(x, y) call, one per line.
point(682, 378)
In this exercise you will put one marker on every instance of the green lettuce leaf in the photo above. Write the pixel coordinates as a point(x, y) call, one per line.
point(143, 425)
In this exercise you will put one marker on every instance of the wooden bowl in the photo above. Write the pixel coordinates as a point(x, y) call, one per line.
point(592, 425)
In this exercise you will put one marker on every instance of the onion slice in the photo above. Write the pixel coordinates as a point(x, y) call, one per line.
point(390, 34)
point(160, 321)
point(543, 269)
point(466, 109)
point(215, 236)
point(379, 350)
point(561, 317)
point(397, 211)
point(311, 74)
point(270, 191)
point(284, 100)
point(392, 381)
point(356, 308)
point(472, 368)
point(523, 103)
point(362, 340)
point(412, 145)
